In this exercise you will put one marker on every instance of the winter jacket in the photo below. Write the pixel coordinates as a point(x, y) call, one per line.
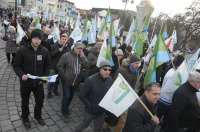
point(47, 43)
point(138, 119)
point(29, 61)
point(126, 72)
point(11, 46)
point(185, 110)
point(92, 58)
point(93, 91)
point(70, 67)
point(56, 54)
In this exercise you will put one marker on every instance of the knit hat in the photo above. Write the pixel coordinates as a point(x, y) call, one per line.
point(104, 63)
point(178, 60)
point(198, 70)
point(78, 45)
point(134, 58)
point(119, 52)
point(37, 33)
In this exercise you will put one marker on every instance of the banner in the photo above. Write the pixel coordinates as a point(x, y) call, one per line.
point(119, 97)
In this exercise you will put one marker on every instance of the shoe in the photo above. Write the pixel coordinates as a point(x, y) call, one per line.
point(40, 121)
point(49, 95)
point(68, 112)
point(56, 93)
point(26, 123)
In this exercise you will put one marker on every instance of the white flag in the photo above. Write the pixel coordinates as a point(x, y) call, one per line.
point(191, 62)
point(76, 34)
point(197, 65)
point(116, 25)
point(179, 77)
point(119, 97)
point(102, 54)
point(55, 34)
point(130, 32)
point(20, 33)
point(153, 41)
point(93, 30)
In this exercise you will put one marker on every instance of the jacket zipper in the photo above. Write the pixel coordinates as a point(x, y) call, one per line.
point(35, 67)
point(76, 71)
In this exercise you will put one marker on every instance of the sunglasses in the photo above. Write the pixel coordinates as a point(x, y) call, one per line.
point(105, 69)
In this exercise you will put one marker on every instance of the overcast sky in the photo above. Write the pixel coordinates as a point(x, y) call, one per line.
point(167, 6)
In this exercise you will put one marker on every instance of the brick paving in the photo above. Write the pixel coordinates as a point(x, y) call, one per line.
point(10, 106)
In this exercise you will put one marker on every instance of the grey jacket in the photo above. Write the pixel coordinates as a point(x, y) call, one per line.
point(11, 46)
point(70, 67)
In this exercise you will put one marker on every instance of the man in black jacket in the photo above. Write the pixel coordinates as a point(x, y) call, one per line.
point(184, 115)
point(92, 93)
point(32, 58)
point(138, 119)
point(56, 53)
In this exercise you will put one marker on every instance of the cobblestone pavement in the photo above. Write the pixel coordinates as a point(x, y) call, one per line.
point(10, 106)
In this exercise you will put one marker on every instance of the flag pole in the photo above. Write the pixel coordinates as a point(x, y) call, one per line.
point(154, 28)
point(145, 107)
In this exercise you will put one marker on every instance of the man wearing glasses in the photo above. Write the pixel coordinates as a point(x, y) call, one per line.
point(91, 94)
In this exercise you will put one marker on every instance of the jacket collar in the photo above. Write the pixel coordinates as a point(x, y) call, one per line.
point(147, 103)
point(193, 89)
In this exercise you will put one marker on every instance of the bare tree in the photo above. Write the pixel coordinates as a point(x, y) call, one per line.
point(190, 21)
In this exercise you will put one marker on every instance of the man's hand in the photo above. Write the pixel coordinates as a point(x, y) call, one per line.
point(24, 78)
point(81, 54)
point(61, 49)
point(155, 120)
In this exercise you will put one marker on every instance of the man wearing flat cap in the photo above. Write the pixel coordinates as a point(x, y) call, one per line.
point(32, 58)
point(92, 93)
point(70, 67)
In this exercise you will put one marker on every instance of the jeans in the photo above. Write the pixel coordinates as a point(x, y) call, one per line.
point(50, 85)
point(38, 92)
point(163, 110)
point(68, 93)
point(8, 57)
point(88, 118)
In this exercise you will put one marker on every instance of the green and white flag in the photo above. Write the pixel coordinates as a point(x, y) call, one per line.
point(76, 34)
point(55, 34)
point(20, 33)
point(179, 77)
point(102, 54)
point(119, 97)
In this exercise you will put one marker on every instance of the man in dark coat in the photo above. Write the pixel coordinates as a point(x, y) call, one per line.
point(129, 70)
point(92, 58)
point(138, 119)
point(56, 52)
point(184, 115)
point(32, 58)
point(92, 93)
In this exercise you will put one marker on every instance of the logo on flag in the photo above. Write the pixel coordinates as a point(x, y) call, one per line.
point(178, 80)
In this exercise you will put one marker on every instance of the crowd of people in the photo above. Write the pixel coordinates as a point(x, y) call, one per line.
point(75, 63)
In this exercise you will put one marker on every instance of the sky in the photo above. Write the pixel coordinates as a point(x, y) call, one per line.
point(170, 7)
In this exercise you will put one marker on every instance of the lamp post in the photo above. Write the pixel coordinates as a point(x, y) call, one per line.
point(125, 1)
